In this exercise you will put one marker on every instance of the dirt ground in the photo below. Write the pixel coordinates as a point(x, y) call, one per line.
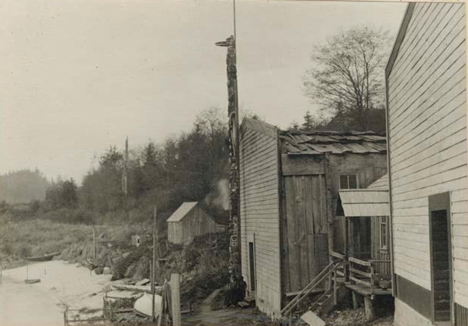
point(355, 317)
point(205, 316)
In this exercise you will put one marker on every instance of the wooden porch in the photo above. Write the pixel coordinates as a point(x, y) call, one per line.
point(366, 261)
point(366, 277)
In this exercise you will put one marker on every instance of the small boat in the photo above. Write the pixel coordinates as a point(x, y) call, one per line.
point(43, 258)
point(32, 280)
point(143, 305)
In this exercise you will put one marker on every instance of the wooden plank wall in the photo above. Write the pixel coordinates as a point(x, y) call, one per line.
point(368, 168)
point(174, 232)
point(305, 221)
point(197, 222)
point(260, 214)
point(427, 132)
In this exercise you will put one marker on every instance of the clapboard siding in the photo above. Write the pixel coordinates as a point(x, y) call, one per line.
point(260, 215)
point(435, 55)
point(426, 96)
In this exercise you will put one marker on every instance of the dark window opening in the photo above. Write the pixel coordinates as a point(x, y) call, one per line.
point(349, 181)
point(441, 265)
point(383, 232)
point(252, 266)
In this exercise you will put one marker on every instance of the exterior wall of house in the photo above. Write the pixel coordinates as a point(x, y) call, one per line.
point(367, 167)
point(304, 229)
point(426, 94)
point(174, 232)
point(304, 219)
point(260, 212)
point(195, 223)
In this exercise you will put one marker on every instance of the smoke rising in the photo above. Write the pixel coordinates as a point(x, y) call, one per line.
point(220, 196)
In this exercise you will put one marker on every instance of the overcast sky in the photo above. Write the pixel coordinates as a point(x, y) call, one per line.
point(77, 76)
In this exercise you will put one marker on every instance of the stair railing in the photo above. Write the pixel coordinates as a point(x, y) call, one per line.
point(323, 275)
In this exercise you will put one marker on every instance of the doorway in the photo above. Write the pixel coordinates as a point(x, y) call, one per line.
point(441, 256)
point(252, 266)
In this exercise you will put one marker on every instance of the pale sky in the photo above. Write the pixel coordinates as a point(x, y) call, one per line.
point(77, 76)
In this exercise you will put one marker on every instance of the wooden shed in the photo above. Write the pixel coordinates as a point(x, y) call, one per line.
point(189, 221)
point(289, 192)
point(426, 122)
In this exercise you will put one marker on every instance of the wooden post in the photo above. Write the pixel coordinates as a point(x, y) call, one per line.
point(329, 201)
point(346, 265)
point(175, 300)
point(329, 209)
point(369, 308)
point(335, 289)
point(355, 300)
point(153, 290)
point(94, 245)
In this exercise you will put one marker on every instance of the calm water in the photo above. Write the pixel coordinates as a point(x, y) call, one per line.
point(42, 304)
point(27, 305)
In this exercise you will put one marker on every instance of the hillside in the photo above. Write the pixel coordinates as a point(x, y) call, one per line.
point(23, 186)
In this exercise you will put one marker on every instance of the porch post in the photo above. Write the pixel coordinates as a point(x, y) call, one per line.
point(369, 308)
point(346, 265)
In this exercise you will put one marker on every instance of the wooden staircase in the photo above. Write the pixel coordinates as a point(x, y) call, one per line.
point(328, 300)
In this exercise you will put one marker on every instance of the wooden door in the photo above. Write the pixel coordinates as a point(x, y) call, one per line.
point(306, 234)
point(439, 223)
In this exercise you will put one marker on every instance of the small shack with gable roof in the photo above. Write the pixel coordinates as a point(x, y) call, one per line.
point(189, 221)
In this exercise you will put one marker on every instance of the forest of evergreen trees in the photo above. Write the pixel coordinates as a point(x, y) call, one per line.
point(23, 186)
point(190, 167)
point(183, 168)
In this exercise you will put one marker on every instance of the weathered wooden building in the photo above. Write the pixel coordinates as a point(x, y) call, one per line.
point(189, 221)
point(365, 214)
point(426, 123)
point(289, 192)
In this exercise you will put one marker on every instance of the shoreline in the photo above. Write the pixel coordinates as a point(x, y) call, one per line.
point(62, 285)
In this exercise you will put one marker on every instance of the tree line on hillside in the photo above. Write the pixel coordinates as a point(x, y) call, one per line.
point(23, 186)
point(183, 168)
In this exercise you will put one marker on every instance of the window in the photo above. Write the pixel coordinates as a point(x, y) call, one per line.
point(348, 181)
point(383, 232)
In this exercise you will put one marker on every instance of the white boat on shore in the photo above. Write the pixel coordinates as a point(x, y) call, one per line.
point(143, 305)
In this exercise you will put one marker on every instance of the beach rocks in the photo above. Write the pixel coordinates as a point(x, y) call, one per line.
point(107, 271)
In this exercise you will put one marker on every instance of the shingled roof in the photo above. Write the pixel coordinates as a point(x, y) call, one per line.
point(319, 142)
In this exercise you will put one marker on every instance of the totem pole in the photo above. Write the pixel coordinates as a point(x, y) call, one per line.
point(234, 180)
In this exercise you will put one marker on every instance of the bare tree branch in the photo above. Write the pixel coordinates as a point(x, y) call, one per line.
point(347, 75)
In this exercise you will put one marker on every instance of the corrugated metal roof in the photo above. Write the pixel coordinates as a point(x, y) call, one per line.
point(365, 202)
point(312, 143)
point(182, 211)
point(380, 184)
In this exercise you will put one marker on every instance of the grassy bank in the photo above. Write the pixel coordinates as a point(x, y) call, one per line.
point(203, 265)
point(35, 237)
